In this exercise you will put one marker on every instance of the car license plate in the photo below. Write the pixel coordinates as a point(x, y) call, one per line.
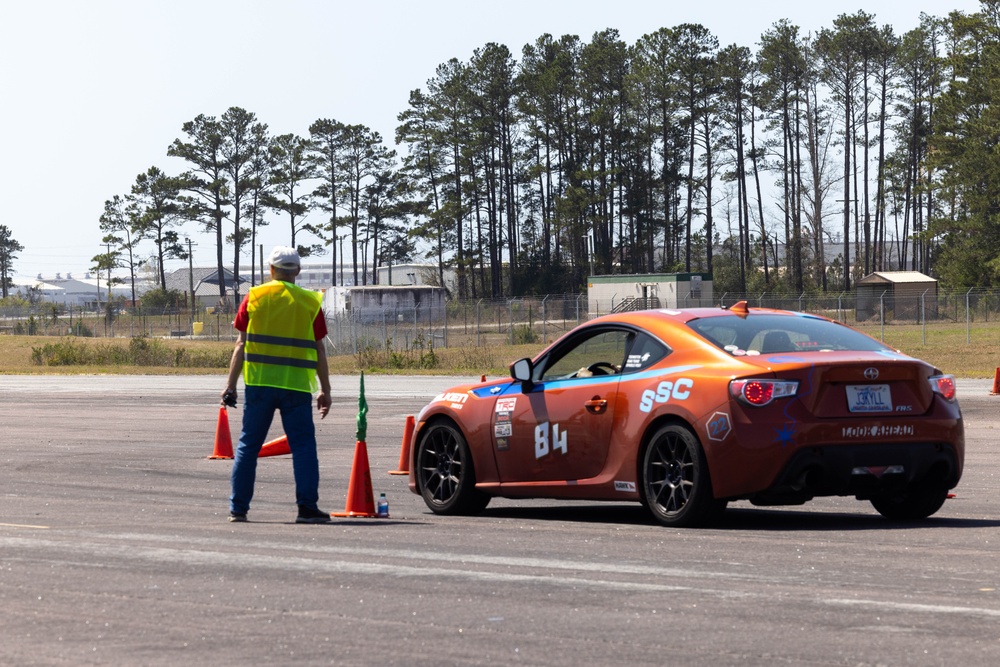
point(869, 398)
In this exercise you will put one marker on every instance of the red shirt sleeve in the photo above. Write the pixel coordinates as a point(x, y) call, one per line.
point(319, 325)
point(242, 320)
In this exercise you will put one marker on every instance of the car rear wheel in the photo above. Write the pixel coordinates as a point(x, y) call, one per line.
point(917, 502)
point(445, 472)
point(676, 486)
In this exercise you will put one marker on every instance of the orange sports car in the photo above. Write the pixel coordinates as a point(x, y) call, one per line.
point(686, 410)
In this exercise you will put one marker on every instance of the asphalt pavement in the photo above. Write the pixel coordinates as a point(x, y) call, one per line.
point(115, 550)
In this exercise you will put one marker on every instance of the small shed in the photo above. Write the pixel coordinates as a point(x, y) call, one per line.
point(905, 295)
point(618, 293)
point(381, 303)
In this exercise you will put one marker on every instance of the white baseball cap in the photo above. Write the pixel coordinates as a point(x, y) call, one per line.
point(283, 257)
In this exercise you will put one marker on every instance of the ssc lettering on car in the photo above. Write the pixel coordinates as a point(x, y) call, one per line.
point(666, 391)
point(542, 441)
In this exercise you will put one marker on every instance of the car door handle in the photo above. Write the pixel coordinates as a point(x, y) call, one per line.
point(596, 405)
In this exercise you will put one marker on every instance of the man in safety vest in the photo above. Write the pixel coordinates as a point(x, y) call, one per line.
point(280, 353)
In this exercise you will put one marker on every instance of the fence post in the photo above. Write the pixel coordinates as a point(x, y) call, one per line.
point(478, 320)
point(923, 320)
point(881, 315)
point(510, 314)
point(800, 301)
point(544, 339)
point(968, 330)
point(760, 299)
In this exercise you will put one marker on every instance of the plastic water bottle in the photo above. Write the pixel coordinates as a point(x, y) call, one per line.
point(382, 510)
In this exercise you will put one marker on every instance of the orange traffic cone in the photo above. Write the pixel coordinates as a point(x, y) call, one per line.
point(223, 440)
point(277, 447)
point(360, 497)
point(404, 452)
point(996, 383)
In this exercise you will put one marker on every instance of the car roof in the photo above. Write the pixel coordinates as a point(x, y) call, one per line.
point(647, 318)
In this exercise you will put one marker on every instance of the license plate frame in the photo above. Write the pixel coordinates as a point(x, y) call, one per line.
point(869, 398)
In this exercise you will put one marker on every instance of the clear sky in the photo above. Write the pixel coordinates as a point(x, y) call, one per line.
point(93, 92)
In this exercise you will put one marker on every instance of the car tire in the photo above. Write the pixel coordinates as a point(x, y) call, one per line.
point(676, 485)
point(917, 502)
point(445, 472)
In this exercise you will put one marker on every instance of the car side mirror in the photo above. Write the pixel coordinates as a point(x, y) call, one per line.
point(521, 371)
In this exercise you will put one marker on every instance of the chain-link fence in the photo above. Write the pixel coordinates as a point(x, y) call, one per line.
point(492, 322)
point(48, 319)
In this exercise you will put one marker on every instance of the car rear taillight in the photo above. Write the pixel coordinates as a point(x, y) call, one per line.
point(944, 386)
point(759, 392)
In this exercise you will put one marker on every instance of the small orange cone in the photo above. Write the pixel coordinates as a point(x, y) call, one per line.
point(996, 383)
point(404, 452)
point(277, 447)
point(360, 497)
point(223, 440)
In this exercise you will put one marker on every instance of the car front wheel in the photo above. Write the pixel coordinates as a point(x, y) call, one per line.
point(445, 472)
point(676, 486)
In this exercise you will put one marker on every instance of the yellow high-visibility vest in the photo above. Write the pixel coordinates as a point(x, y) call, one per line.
point(280, 348)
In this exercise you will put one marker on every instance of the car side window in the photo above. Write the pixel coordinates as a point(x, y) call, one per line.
point(600, 354)
point(645, 352)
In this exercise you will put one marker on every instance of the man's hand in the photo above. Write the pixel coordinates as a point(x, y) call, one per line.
point(229, 397)
point(323, 404)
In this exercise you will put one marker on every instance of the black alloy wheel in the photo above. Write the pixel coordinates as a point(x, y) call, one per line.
point(445, 474)
point(676, 486)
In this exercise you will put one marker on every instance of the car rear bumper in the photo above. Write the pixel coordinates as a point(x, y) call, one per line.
point(861, 470)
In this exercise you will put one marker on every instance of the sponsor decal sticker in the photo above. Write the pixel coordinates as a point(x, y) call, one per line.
point(506, 404)
point(625, 487)
point(504, 430)
point(636, 360)
point(456, 399)
point(718, 426)
point(503, 444)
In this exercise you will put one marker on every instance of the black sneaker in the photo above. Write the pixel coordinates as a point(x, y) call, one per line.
point(235, 517)
point(307, 515)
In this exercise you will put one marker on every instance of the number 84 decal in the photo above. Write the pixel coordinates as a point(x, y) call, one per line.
point(543, 444)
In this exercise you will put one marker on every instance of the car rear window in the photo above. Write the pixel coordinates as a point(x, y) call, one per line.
point(775, 334)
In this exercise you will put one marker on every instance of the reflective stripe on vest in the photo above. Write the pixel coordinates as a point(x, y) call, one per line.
point(280, 348)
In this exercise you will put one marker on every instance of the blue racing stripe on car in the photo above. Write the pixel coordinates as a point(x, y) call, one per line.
point(493, 390)
point(515, 387)
point(611, 379)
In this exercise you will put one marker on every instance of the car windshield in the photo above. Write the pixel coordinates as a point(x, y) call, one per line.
point(771, 334)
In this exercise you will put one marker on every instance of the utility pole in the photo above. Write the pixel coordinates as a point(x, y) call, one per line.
point(191, 274)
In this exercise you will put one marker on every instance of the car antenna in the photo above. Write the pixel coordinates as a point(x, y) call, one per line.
point(740, 308)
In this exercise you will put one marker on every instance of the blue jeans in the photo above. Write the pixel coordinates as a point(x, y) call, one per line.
point(296, 418)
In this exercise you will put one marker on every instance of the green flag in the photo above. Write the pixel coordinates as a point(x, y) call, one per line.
point(362, 412)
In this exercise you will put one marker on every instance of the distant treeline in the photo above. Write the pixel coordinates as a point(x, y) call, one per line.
point(803, 165)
